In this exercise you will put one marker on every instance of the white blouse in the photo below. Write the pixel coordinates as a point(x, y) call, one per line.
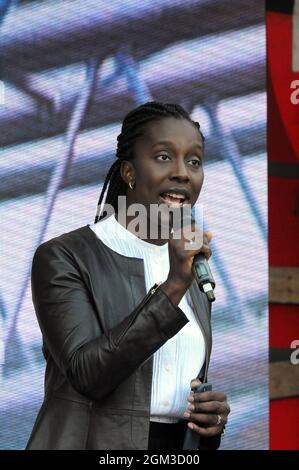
point(180, 359)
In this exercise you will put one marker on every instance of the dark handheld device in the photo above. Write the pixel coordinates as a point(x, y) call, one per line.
point(191, 441)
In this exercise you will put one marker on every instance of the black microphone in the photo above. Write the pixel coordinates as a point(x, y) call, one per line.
point(201, 269)
point(182, 217)
point(203, 275)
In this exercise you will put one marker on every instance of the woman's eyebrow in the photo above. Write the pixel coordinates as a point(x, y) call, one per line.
point(169, 142)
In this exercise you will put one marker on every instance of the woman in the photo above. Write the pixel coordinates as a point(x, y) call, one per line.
point(122, 349)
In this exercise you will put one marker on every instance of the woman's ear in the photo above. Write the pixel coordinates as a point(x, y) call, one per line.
point(127, 171)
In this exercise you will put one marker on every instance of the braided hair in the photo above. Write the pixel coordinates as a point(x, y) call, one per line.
point(132, 128)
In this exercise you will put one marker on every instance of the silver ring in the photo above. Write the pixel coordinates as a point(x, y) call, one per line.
point(219, 419)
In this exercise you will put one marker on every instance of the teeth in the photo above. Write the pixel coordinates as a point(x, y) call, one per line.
point(173, 200)
point(176, 196)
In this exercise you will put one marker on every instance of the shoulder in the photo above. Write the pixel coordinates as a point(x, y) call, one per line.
point(66, 243)
point(78, 245)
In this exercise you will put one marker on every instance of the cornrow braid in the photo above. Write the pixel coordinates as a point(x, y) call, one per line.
point(132, 128)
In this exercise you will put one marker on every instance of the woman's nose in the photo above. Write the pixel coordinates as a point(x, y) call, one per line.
point(179, 171)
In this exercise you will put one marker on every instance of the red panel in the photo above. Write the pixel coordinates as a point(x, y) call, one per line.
point(283, 223)
point(283, 325)
point(283, 146)
point(279, 146)
point(279, 57)
point(284, 424)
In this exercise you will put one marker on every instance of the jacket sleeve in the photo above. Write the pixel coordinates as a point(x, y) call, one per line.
point(94, 363)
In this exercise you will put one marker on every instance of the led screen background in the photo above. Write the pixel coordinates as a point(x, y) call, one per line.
point(72, 70)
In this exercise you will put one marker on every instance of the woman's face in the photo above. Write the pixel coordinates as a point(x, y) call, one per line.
point(167, 167)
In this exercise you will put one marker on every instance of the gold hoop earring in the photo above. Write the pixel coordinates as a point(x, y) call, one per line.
point(131, 185)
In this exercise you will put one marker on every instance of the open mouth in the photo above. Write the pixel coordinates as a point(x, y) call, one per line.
point(174, 199)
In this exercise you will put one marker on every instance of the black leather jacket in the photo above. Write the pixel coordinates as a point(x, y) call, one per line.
point(100, 330)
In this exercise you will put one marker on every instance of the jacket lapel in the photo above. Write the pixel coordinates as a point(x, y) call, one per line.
point(202, 311)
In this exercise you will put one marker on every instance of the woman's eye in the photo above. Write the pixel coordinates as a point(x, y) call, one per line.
point(195, 162)
point(162, 157)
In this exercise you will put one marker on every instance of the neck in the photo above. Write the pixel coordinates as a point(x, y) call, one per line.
point(146, 237)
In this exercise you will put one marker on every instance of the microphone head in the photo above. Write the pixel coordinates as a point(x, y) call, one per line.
point(210, 296)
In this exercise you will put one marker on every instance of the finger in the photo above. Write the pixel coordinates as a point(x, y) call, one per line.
point(206, 250)
point(195, 248)
point(210, 396)
point(213, 407)
point(208, 235)
point(195, 383)
point(206, 420)
point(204, 432)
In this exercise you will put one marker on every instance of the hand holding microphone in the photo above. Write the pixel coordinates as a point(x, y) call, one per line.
point(188, 264)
